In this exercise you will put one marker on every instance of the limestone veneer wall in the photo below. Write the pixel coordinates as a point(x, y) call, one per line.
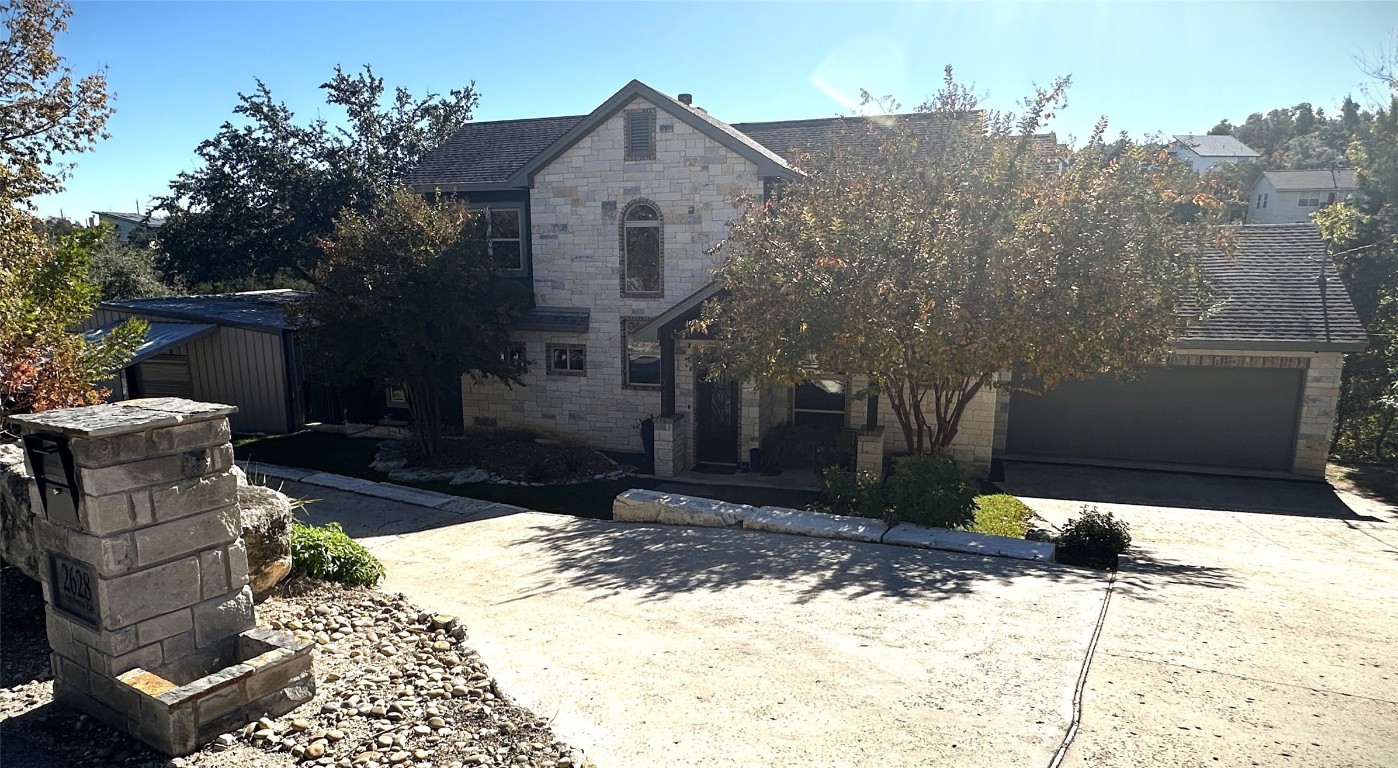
point(575, 240)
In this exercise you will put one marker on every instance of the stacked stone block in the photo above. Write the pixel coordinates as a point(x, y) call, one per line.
point(156, 564)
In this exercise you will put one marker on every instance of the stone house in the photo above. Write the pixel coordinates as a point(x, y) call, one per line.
point(1290, 197)
point(609, 218)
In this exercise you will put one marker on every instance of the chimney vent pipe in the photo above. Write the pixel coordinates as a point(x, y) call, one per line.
point(687, 99)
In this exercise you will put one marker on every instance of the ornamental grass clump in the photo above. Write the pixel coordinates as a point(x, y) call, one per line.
point(327, 553)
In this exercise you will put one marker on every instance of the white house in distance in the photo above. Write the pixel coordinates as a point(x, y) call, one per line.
point(1205, 152)
point(1290, 197)
point(126, 223)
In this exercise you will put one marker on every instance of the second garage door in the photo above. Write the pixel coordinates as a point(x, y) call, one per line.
point(1204, 416)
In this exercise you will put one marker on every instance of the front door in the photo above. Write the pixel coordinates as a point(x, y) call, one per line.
point(716, 421)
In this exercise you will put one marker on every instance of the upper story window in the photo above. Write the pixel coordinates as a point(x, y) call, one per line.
point(504, 238)
point(1308, 200)
point(641, 249)
point(640, 134)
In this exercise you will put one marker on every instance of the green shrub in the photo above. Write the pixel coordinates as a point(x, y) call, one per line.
point(858, 494)
point(788, 446)
point(1001, 514)
point(930, 490)
point(329, 554)
point(1094, 539)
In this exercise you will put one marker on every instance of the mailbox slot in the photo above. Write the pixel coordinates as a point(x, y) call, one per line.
point(52, 461)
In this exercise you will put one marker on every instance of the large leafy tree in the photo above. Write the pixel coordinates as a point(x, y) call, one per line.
point(407, 295)
point(268, 188)
point(1365, 236)
point(44, 288)
point(44, 112)
point(955, 251)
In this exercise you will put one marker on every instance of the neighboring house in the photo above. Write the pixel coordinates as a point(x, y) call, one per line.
point(1290, 197)
point(128, 223)
point(1205, 152)
point(610, 217)
point(234, 348)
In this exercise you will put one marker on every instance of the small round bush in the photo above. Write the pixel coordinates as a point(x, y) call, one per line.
point(931, 490)
point(1093, 539)
point(329, 554)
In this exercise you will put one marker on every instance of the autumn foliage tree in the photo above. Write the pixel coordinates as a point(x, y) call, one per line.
point(960, 248)
point(44, 286)
point(408, 295)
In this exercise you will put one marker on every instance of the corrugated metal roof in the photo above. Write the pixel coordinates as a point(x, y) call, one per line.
point(1270, 294)
point(1295, 181)
point(159, 338)
point(1216, 146)
point(250, 309)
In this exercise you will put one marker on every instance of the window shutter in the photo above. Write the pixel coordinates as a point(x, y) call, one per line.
point(640, 134)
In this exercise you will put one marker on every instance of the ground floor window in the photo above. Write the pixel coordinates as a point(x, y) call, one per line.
point(642, 357)
point(567, 359)
point(819, 403)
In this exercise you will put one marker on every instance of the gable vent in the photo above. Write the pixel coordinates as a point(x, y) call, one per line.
point(640, 134)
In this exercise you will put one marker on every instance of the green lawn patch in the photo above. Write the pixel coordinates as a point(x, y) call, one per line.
point(1001, 514)
point(319, 451)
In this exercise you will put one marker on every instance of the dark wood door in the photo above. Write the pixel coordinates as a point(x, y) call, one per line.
point(716, 421)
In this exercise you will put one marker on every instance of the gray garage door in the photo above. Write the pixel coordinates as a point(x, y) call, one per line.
point(1205, 416)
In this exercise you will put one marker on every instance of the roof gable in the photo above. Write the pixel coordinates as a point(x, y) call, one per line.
point(768, 162)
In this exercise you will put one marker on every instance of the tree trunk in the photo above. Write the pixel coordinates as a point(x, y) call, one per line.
point(949, 400)
point(425, 407)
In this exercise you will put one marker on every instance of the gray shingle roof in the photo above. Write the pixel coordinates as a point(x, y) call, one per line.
point(263, 310)
point(1270, 295)
point(1216, 146)
point(138, 219)
point(489, 152)
point(1293, 181)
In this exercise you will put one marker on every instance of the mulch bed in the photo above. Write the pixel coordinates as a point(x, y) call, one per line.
point(517, 459)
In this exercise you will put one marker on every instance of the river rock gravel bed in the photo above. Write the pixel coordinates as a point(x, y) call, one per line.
point(397, 687)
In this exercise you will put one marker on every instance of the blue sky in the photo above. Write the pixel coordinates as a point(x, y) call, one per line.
point(176, 67)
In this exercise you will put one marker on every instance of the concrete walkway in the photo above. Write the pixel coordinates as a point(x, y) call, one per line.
point(654, 646)
point(1255, 624)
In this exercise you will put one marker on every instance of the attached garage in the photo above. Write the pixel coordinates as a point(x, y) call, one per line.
point(1213, 416)
point(1253, 387)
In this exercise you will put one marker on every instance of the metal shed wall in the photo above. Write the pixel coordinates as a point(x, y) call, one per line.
point(232, 365)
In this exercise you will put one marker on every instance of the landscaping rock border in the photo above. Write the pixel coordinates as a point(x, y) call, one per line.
point(642, 506)
point(392, 460)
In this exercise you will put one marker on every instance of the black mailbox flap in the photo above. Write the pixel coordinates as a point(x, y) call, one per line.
point(52, 461)
point(50, 457)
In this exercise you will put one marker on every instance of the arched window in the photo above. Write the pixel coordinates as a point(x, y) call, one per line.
point(641, 249)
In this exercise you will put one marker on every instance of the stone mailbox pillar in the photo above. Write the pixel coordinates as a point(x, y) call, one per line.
point(148, 609)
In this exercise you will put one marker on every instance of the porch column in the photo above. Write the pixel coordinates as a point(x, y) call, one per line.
point(869, 451)
point(672, 444)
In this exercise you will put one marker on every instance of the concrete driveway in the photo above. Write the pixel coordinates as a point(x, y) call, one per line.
point(1256, 622)
point(662, 646)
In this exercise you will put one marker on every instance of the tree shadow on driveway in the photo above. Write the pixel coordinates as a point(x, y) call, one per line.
point(658, 562)
point(1143, 572)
